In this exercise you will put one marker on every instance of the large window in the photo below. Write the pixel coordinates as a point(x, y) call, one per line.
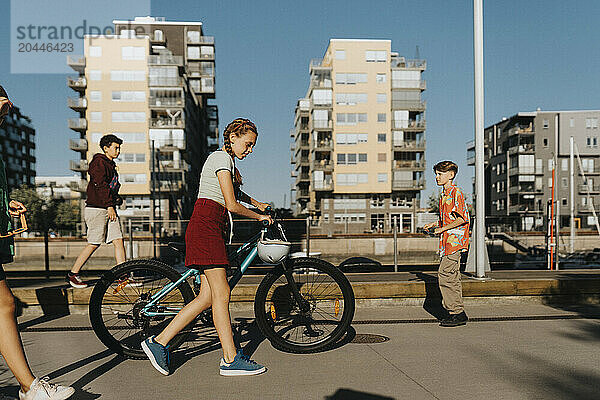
point(128, 75)
point(350, 118)
point(350, 98)
point(350, 78)
point(133, 53)
point(376, 56)
point(351, 179)
point(351, 138)
point(95, 51)
point(129, 96)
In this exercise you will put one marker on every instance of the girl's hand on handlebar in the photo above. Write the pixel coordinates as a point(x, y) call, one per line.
point(265, 219)
point(262, 206)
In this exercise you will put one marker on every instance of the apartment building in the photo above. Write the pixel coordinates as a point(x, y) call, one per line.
point(358, 150)
point(17, 148)
point(150, 84)
point(519, 158)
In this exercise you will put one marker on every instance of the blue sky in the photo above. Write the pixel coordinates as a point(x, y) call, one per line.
point(537, 54)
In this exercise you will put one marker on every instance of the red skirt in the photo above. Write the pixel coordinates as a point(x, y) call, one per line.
point(206, 235)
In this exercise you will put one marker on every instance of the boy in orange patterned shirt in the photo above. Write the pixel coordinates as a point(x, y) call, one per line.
point(453, 228)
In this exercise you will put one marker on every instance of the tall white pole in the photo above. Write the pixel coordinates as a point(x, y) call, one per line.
point(479, 138)
point(572, 199)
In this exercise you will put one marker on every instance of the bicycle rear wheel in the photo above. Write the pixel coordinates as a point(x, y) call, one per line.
point(118, 298)
point(317, 324)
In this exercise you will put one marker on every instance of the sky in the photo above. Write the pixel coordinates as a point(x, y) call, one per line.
point(537, 54)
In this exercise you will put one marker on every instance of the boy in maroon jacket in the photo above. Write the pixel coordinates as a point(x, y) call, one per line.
point(101, 217)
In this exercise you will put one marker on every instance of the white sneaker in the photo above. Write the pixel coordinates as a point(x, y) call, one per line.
point(41, 389)
point(76, 282)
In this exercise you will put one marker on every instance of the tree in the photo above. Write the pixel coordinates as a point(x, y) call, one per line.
point(41, 212)
point(67, 215)
point(433, 202)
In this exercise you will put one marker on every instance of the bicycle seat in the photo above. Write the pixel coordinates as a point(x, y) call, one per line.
point(177, 246)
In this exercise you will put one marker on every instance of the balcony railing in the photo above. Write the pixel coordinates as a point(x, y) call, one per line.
point(588, 188)
point(323, 145)
point(165, 81)
point(165, 101)
point(322, 165)
point(77, 124)
point(76, 62)
point(78, 166)
point(160, 59)
point(410, 144)
point(523, 148)
point(302, 194)
point(322, 124)
point(321, 83)
point(586, 207)
point(77, 103)
point(523, 169)
point(408, 105)
point(78, 145)
point(168, 186)
point(164, 144)
point(408, 84)
point(398, 164)
point(201, 40)
point(79, 83)
point(408, 124)
point(401, 62)
point(322, 185)
point(166, 123)
point(591, 170)
point(398, 184)
point(173, 164)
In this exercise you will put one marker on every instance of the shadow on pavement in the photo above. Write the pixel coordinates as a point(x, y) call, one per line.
point(433, 296)
point(349, 394)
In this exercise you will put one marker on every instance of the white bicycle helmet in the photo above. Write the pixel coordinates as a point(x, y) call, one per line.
point(273, 251)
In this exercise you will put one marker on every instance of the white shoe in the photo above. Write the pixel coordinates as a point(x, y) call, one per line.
point(41, 389)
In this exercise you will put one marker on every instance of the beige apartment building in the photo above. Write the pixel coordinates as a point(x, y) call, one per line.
point(359, 139)
point(149, 84)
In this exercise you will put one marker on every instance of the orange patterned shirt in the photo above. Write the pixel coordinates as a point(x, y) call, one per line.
point(452, 203)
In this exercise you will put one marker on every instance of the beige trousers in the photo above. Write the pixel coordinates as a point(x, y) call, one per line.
point(449, 281)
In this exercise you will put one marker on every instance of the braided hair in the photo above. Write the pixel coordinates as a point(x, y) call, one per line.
point(237, 127)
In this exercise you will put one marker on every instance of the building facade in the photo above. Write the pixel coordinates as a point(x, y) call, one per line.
point(358, 150)
point(520, 154)
point(150, 85)
point(17, 148)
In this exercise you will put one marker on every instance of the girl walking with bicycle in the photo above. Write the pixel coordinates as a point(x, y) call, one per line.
point(219, 195)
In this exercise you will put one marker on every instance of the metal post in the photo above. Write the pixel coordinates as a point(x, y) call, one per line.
point(46, 254)
point(572, 198)
point(129, 226)
point(395, 244)
point(308, 236)
point(153, 193)
point(479, 137)
point(556, 198)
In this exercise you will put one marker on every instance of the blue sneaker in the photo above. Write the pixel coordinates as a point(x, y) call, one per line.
point(158, 355)
point(241, 365)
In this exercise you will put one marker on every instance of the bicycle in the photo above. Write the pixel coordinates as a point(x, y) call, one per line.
point(302, 305)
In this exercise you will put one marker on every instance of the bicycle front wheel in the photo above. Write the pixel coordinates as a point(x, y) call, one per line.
point(118, 298)
point(323, 315)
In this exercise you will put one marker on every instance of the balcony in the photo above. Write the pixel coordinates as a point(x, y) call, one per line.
point(322, 124)
point(301, 145)
point(165, 81)
point(401, 62)
point(585, 207)
point(210, 40)
point(166, 123)
point(77, 63)
point(165, 59)
point(77, 124)
point(77, 103)
point(521, 130)
point(302, 178)
point(78, 84)
point(590, 170)
point(168, 186)
point(317, 63)
point(78, 166)
point(408, 184)
point(409, 124)
point(321, 83)
point(522, 149)
point(169, 144)
point(324, 185)
point(584, 189)
point(322, 165)
point(323, 145)
point(523, 189)
point(200, 71)
point(173, 164)
point(409, 105)
point(408, 84)
point(524, 209)
point(203, 85)
point(408, 164)
point(302, 194)
point(164, 102)
point(522, 170)
point(158, 38)
point(78, 145)
point(79, 186)
point(417, 145)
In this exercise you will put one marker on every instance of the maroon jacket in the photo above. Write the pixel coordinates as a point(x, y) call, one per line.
point(102, 171)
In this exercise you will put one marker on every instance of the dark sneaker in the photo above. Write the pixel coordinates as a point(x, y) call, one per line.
point(455, 320)
point(158, 355)
point(241, 365)
point(75, 281)
point(41, 389)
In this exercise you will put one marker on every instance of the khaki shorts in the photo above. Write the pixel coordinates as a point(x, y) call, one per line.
point(99, 228)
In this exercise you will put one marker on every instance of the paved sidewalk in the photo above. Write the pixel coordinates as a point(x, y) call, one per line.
point(497, 359)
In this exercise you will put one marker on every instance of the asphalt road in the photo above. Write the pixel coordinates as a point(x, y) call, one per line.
point(521, 351)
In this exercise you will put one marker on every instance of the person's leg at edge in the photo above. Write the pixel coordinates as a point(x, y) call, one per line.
point(187, 313)
point(11, 346)
point(220, 292)
point(85, 254)
point(449, 283)
point(119, 250)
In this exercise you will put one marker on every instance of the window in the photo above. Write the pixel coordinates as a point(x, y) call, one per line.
point(381, 98)
point(382, 178)
point(549, 182)
point(564, 165)
point(362, 137)
point(380, 78)
point(96, 116)
point(351, 138)
point(351, 158)
point(376, 56)
point(132, 158)
point(350, 79)
point(341, 158)
point(95, 51)
point(95, 75)
point(362, 157)
point(95, 95)
point(571, 122)
point(129, 117)
point(134, 178)
point(348, 98)
point(546, 124)
point(133, 53)
point(350, 118)
point(381, 117)
point(193, 36)
point(381, 157)
point(545, 142)
point(321, 97)
point(131, 75)
point(193, 52)
point(129, 96)
point(340, 54)
point(381, 137)
point(591, 123)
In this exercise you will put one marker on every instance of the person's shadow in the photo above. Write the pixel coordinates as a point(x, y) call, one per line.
point(433, 296)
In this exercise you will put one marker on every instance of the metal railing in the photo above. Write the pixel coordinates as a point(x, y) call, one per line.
point(77, 83)
point(408, 124)
point(408, 84)
point(76, 102)
point(161, 59)
point(165, 81)
point(408, 164)
point(322, 124)
point(410, 144)
point(166, 123)
point(322, 165)
point(408, 105)
point(158, 101)
point(588, 188)
point(78, 145)
point(79, 166)
point(398, 184)
point(201, 40)
point(77, 123)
